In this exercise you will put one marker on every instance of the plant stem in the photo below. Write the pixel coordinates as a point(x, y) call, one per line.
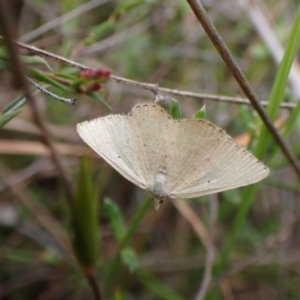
point(133, 225)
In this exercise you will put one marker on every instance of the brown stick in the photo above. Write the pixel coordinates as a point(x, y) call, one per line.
point(9, 34)
point(218, 42)
point(148, 86)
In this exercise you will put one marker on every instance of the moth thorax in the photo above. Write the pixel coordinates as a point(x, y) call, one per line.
point(159, 190)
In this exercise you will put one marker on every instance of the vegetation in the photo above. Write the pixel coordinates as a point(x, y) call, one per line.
point(71, 227)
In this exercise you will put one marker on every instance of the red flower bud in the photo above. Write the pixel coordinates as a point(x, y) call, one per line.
point(81, 89)
point(95, 87)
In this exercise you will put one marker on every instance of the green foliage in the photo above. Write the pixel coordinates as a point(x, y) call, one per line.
point(279, 86)
point(175, 111)
point(113, 269)
point(144, 254)
point(200, 114)
point(250, 192)
point(28, 60)
point(47, 79)
point(99, 99)
point(11, 110)
point(85, 218)
point(4, 118)
point(115, 218)
point(130, 258)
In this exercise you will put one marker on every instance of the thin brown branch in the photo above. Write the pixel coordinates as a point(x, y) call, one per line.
point(149, 86)
point(12, 147)
point(92, 279)
point(45, 91)
point(224, 52)
point(9, 35)
point(235, 100)
point(210, 251)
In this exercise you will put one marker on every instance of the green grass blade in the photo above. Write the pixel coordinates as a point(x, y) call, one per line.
point(115, 218)
point(279, 86)
point(99, 99)
point(85, 218)
point(5, 118)
point(250, 192)
point(129, 234)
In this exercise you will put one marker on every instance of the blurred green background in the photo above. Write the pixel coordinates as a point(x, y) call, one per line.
point(248, 235)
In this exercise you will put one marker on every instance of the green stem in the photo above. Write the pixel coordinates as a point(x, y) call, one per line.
point(132, 228)
point(249, 194)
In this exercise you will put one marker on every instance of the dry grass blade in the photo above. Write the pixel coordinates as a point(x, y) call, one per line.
point(12, 147)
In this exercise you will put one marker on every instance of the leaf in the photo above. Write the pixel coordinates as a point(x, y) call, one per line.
point(279, 86)
point(289, 126)
point(12, 109)
point(85, 218)
point(250, 192)
point(5, 118)
point(4, 65)
point(26, 59)
point(115, 218)
point(44, 78)
point(130, 259)
point(99, 99)
point(175, 111)
point(15, 104)
point(201, 113)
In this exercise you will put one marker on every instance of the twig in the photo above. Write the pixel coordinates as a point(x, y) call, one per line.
point(149, 86)
point(43, 90)
point(92, 279)
point(211, 31)
point(51, 56)
point(235, 100)
point(9, 34)
point(11, 147)
point(210, 251)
